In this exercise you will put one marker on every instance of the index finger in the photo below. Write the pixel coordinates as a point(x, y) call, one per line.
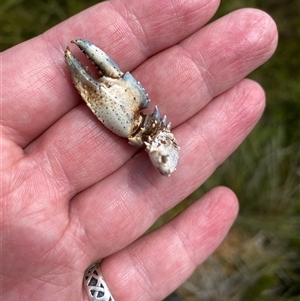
point(38, 91)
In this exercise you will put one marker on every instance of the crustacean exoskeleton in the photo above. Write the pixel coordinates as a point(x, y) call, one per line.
point(117, 99)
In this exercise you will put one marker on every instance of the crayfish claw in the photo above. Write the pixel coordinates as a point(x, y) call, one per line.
point(99, 58)
point(82, 79)
point(116, 99)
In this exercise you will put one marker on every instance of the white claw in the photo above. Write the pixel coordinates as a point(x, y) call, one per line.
point(117, 98)
point(102, 61)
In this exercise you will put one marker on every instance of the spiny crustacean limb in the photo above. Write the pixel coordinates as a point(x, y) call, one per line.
point(117, 99)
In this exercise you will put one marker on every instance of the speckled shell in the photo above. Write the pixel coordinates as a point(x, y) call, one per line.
point(117, 99)
point(116, 103)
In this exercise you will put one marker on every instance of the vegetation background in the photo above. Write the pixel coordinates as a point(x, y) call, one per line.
point(260, 258)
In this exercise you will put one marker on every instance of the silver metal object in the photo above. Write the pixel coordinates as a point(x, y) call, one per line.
point(95, 285)
point(117, 99)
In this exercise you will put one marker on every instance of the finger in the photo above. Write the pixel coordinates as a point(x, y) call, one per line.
point(158, 263)
point(208, 62)
point(135, 196)
point(39, 91)
point(187, 89)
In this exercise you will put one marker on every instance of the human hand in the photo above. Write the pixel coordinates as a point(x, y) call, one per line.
point(73, 192)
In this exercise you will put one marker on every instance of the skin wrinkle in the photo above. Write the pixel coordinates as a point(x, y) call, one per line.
point(143, 39)
point(257, 109)
point(145, 184)
point(205, 145)
point(129, 60)
point(84, 241)
point(210, 207)
point(147, 285)
point(152, 52)
point(128, 36)
point(56, 52)
point(143, 274)
point(247, 113)
point(84, 19)
point(53, 51)
point(199, 128)
point(244, 21)
point(48, 162)
point(203, 72)
point(216, 215)
point(77, 228)
point(25, 117)
point(184, 237)
point(84, 131)
point(237, 95)
point(153, 208)
point(15, 182)
point(101, 232)
point(35, 248)
point(185, 242)
point(190, 72)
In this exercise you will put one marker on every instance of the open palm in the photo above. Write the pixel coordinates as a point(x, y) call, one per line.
point(73, 192)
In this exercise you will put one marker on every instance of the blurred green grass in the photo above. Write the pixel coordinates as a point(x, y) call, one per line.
point(260, 259)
